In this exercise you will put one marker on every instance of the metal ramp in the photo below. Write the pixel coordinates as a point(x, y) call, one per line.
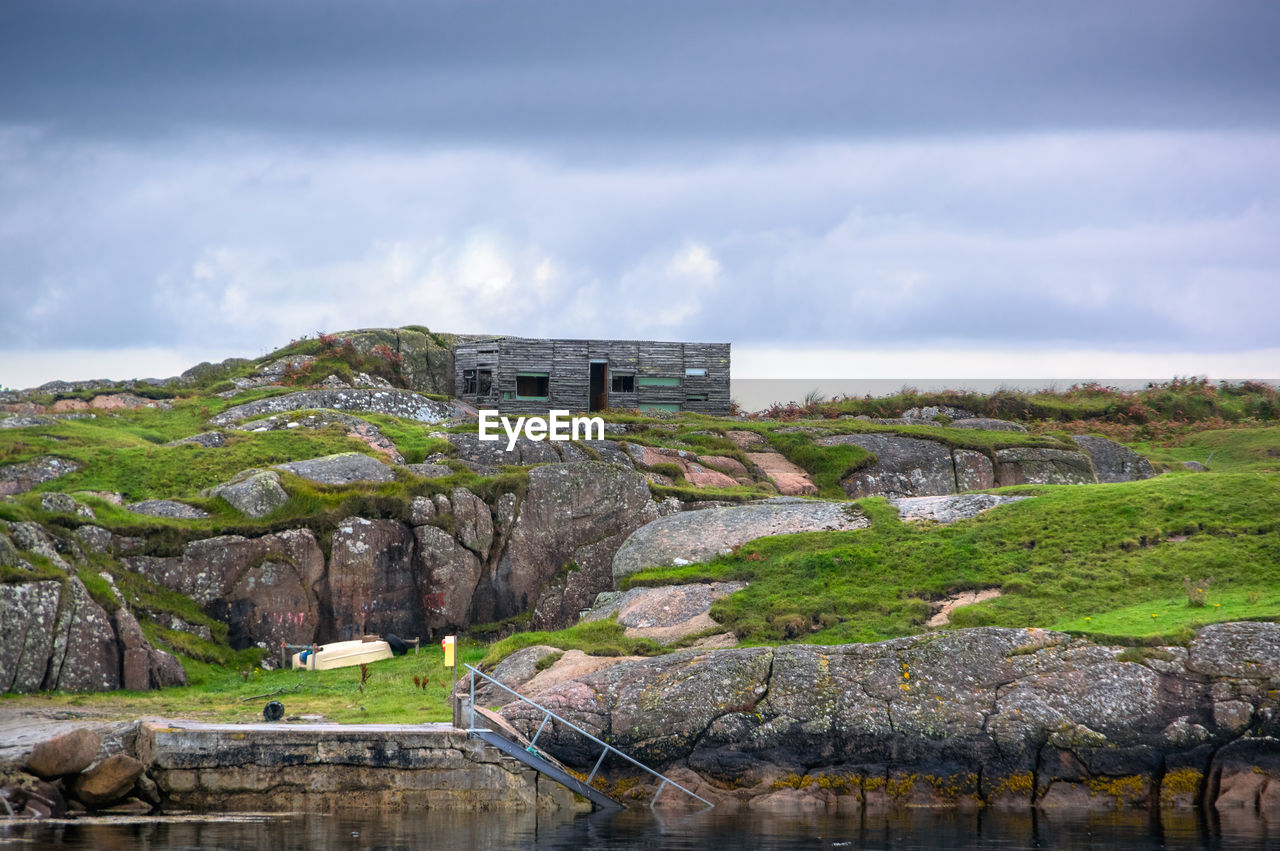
point(537, 763)
point(529, 755)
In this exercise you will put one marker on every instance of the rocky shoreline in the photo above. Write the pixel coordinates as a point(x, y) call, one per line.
point(964, 718)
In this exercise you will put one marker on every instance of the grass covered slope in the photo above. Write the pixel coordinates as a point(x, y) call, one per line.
point(1072, 552)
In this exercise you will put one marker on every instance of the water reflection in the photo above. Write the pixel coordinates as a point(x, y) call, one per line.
point(919, 829)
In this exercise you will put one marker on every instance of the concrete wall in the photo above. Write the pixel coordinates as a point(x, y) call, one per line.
point(319, 767)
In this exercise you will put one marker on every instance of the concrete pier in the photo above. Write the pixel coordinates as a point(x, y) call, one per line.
point(323, 767)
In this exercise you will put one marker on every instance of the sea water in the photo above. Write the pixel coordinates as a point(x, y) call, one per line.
point(710, 830)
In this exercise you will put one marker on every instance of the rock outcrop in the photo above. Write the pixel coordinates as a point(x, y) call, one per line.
point(560, 552)
point(664, 614)
point(1002, 717)
point(694, 536)
point(56, 636)
point(949, 509)
point(1031, 466)
point(1114, 462)
point(23, 476)
point(400, 403)
point(911, 467)
point(342, 469)
point(254, 492)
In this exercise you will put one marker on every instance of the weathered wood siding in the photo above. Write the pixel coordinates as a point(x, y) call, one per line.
point(567, 363)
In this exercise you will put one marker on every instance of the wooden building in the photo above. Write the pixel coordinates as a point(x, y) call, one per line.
point(519, 375)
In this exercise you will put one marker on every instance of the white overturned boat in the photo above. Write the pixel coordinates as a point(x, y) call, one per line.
point(342, 654)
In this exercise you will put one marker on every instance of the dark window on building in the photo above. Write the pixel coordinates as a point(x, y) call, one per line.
point(624, 383)
point(477, 382)
point(533, 385)
point(696, 397)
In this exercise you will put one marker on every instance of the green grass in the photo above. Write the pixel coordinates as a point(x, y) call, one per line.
point(1173, 616)
point(1224, 450)
point(218, 692)
point(1069, 553)
point(599, 638)
point(1181, 399)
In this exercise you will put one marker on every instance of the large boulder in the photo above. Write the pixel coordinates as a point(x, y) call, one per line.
point(904, 466)
point(68, 753)
point(664, 614)
point(1114, 462)
point(22, 477)
point(949, 509)
point(1033, 466)
point(570, 523)
point(342, 469)
point(256, 493)
point(372, 584)
point(108, 781)
point(693, 536)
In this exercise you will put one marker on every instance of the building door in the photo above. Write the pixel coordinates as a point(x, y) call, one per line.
point(599, 389)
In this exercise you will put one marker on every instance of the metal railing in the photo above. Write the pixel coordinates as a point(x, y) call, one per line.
point(607, 748)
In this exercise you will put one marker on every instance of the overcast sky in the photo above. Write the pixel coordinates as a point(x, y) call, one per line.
point(878, 190)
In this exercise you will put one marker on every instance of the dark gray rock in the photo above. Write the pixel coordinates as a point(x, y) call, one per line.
point(1030, 466)
point(1250, 650)
point(400, 403)
point(65, 504)
point(372, 588)
point(22, 477)
point(342, 469)
point(167, 508)
point(256, 493)
point(33, 538)
point(1195, 466)
point(904, 466)
point(987, 424)
point(1114, 462)
point(693, 536)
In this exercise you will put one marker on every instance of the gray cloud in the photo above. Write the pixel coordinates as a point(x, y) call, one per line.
point(566, 71)
point(228, 175)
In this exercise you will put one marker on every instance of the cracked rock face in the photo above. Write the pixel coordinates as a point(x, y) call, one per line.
point(1003, 715)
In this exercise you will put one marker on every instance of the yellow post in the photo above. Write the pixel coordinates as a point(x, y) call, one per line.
point(450, 645)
